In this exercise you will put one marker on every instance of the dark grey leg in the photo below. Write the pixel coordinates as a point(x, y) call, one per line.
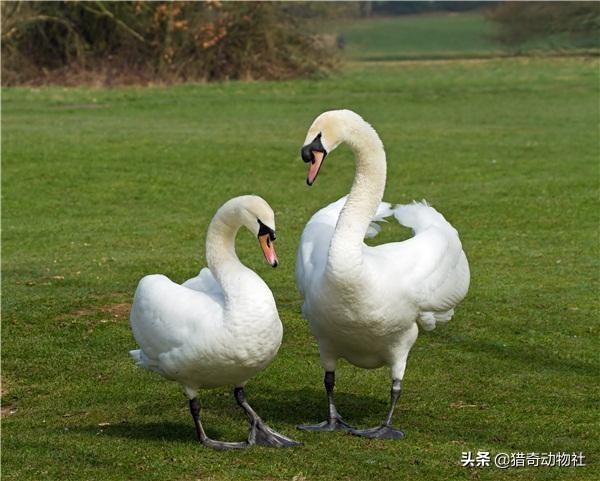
point(334, 420)
point(386, 430)
point(202, 437)
point(259, 432)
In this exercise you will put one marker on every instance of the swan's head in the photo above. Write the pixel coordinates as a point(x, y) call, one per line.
point(258, 217)
point(328, 131)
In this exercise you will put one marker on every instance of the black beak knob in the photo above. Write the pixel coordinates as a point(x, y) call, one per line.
point(306, 153)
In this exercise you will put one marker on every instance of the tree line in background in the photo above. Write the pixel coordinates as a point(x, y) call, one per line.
point(139, 42)
point(520, 22)
point(165, 41)
point(412, 8)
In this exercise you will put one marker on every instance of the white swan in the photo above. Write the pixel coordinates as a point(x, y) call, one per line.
point(219, 328)
point(364, 303)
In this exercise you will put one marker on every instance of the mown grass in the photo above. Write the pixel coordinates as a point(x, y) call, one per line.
point(103, 186)
point(440, 36)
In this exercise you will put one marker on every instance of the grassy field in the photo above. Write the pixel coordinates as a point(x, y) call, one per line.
point(438, 36)
point(101, 187)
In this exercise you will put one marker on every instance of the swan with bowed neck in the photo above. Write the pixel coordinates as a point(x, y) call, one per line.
point(218, 328)
point(365, 303)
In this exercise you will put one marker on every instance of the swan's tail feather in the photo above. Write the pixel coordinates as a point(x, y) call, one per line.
point(419, 216)
point(384, 210)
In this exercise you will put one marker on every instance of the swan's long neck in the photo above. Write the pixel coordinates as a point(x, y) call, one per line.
point(345, 252)
point(220, 249)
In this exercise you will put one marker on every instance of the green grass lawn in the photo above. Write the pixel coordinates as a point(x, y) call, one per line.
point(101, 187)
point(437, 36)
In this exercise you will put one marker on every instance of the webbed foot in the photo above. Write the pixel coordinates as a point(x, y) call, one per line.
point(262, 435)
point(380, 432)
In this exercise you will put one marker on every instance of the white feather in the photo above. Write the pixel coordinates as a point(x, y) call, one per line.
point(363, 303)
point(207, 332)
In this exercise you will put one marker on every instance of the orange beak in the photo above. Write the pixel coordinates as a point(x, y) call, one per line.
point(315, 165)
point(268, 249)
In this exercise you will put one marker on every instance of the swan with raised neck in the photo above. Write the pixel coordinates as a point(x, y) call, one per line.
point(365, 303)
point(332, 129)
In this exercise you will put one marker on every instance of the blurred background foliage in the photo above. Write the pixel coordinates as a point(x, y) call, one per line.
point(143, 42)
point(520, 22)
point(166, 41)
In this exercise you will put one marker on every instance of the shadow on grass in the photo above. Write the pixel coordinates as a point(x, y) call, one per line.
point(536, 358)
point(281, 409)
point(309, 405)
